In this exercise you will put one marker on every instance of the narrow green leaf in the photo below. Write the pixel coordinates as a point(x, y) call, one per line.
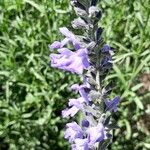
point(139, 17)
point(138, 102)
point(38, 7)
point(128, 129)
point(136, 87)
point(120, 75)
point(27, 115)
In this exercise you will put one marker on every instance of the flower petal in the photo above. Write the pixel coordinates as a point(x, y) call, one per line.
point(55, 45)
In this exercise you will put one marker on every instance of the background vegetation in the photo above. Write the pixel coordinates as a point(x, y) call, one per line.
point(32, 94)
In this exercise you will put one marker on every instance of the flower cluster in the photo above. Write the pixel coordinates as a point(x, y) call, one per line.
point(89, 57)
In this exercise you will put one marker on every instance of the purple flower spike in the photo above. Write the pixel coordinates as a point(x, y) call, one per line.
point(73, 131)
point(90, 58)
point(111, 105)
point(71, 61)
point(96, 134)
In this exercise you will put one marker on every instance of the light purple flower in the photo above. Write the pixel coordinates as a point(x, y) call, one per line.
point(70, 111)
point(70, 37)
point(111, 105)
point(83, 90)
point(80, 144)
point(55, 45)
point(76, 105)
point(64, 42)
point(73, 131)
point(70, 61)
point(95, 134)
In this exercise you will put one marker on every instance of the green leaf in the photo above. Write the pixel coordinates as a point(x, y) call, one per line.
point(37, 75)
point(27, 115)
point(138, 102)
point(128, 129)
point(147, 145)
point(139, 17)
point(37, 6)
point(120, 75)
point(136, 87)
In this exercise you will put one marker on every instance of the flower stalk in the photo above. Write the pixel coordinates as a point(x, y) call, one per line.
point(91, 59)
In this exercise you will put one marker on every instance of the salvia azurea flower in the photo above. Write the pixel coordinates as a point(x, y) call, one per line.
point(88, 56)
point(70, 61)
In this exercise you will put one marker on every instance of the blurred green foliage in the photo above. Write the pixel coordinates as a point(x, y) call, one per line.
point(32, 94)
point(127, 29)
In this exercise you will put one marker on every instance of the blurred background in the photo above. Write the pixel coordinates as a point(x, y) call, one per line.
point(32, 94)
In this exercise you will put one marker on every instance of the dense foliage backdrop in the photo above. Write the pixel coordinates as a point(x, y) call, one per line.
point(32, 94)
